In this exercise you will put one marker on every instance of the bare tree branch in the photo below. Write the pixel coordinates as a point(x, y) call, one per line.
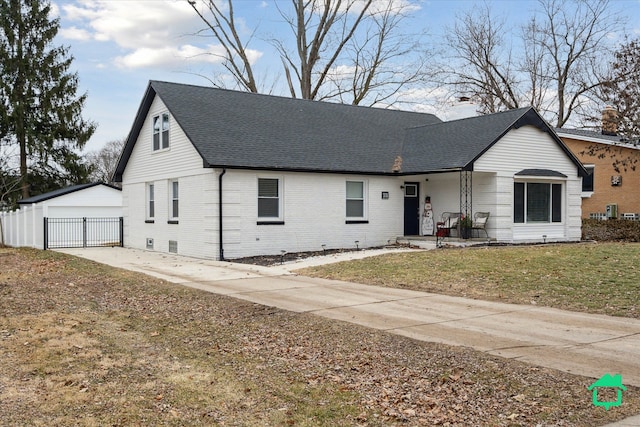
point(224, 29)
point(483, 64)
point(573, 42)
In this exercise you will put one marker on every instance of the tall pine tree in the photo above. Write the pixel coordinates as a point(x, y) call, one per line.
point(40, 110)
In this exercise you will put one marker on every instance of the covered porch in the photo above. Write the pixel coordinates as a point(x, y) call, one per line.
point(430, 200)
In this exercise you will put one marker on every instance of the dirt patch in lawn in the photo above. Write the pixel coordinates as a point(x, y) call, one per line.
point(85, 344)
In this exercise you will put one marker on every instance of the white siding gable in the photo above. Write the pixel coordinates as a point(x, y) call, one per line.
point(530, 148)
point(525, 148)
point(180, 159)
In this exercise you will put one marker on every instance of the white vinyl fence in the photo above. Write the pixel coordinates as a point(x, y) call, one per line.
point(24, 227)
point(29, 227)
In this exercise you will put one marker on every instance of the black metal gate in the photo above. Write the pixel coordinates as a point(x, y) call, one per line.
point(82, 232)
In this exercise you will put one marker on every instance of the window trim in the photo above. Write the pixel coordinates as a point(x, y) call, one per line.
point(553, 213)
point(270, 220)
point(589, 193)
point(161, 132)
point(357, 219)
point(150, 202)
point(174, 199)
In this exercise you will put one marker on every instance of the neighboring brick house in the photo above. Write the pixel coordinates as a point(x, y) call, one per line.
point(606, 186)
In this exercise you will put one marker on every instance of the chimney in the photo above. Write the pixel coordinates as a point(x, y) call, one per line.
point(609, 121)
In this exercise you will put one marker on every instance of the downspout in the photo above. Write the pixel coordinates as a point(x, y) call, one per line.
point(224, 170)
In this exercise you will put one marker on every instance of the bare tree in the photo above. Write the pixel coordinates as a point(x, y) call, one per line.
point(563, 47)
point(572, 37)
point(104, 161)
point(621, 91)
point(353, 51)
point(482, 65)
point(373, 74)
point(224, 29)
point(321, 29)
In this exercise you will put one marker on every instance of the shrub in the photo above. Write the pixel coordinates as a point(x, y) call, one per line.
point(616, 230)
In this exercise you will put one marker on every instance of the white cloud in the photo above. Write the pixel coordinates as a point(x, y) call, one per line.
point(75, 33)
point(168, 56)
point(158, 33)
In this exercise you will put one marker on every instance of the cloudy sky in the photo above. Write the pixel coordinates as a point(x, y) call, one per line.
point(119, 45)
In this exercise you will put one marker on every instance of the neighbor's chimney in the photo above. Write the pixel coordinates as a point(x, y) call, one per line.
point(609, 121)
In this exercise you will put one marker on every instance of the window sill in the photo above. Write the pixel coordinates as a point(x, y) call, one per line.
point(172, 221)
point(586, 194)
point(356, 221)
point(149, 221)
point(270, 223)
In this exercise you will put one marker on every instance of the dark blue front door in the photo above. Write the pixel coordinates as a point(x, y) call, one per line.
point(411, 209)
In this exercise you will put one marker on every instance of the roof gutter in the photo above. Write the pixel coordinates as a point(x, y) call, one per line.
point(224, 170)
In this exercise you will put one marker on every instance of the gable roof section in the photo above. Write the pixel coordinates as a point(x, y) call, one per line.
point(61, 192)
point(457, 144)
point(250, 131)
point(597, 138)
point(240, 130)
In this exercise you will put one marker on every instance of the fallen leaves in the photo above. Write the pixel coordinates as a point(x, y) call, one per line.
point(125, 349)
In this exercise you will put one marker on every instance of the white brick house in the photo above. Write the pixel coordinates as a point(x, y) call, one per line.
point(221, 174)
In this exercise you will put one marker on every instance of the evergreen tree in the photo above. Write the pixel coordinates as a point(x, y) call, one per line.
point(39, 109)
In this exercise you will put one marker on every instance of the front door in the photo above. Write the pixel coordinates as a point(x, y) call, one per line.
point(411, 209)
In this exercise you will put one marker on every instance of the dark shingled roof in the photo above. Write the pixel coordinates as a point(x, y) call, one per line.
point(457, 144)
point(541, 172)
point(610, 139)
point(241, 130)
point(60, 192)
point(245, 130)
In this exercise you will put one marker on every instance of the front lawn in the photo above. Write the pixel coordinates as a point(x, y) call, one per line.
point(590, 277)
point(84, 344)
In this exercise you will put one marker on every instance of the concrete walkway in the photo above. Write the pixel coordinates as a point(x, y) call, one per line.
point(584, 344)
point(578, 343)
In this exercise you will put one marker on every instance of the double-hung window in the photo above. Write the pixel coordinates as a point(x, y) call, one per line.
point(355, 201)
point(537, 202)
point(161, 132)
point(173, 208)
point(270, 200)
point(151, 202)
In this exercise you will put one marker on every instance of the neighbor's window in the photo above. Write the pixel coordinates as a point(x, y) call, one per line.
point(537, 202)
point(161, 131)
point(174, 199)
point(587, 181)
point(355, 199)
point(269, 198)
point(151, 201)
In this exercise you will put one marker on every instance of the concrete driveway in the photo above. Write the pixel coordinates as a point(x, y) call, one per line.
point(578, 343)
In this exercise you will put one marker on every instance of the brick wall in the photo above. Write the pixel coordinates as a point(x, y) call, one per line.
point(626, 195)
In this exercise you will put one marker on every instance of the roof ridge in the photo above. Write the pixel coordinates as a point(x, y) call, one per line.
point(294, 100)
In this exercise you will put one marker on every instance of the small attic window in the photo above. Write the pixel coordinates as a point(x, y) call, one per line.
point(161, 132)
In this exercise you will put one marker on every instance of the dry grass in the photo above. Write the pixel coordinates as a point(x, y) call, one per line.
point(595, 278)
point(88, 345)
